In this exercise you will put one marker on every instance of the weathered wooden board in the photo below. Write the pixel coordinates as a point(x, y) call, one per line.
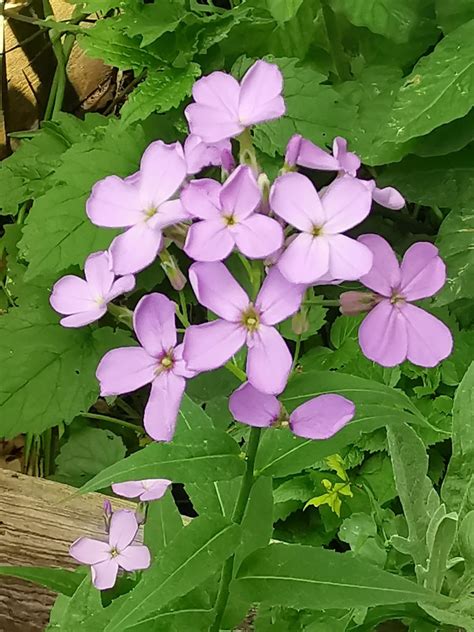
point(39, 519)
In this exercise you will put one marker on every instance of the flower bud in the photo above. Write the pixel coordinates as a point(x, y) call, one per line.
point(107, 509)
point(292, 150)
point(300, 322)
point(353, 303)
point(227, 161)
point(172, 270)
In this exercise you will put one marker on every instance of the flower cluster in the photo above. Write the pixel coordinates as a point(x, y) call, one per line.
point(289, 235)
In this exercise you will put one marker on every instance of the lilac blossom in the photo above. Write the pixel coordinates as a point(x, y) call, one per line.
point(228, 219)
point(303, 152)
point(241, 322)
point(105, 558)
point(318, 418)
point(223, 108)
point(320, 250)
point(158, 361)
point(84, 301)
point(143, 204)
point(146, 490)
point(395, 330)
point(199, 154)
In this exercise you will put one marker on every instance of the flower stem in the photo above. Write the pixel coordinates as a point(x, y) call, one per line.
point(121, 422)
point(297, 353)
point(247, 154)
point(323, 302)
point(233, 368)
point(237, 516)
point(183, 317)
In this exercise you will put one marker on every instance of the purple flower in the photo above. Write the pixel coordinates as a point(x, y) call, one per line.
point(158, 361)
point(199, 154)
point(223, 108)
point(142, 204)
point(318, 418)
point(300, 151)
point(148, 489)
point(84, 301)
point(240, 322)
point(228, 219)
point(320, 250)
point(105, 558)
point(395, 330)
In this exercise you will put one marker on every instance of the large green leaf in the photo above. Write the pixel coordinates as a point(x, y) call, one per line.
point(48, 371)
point(193, 456)
point(283, 10)
point(151, 21)
point(57, 579)
point(85, 603)
point(191, 416)
point(217, 497)
point(197, 552)
point(458, 487)
point(302, 576)
point(281, 453)
point(162, 524)
point(453, 14)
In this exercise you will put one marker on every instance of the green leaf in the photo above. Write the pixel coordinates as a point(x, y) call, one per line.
point(458, 487)
point(87, 452)
point(159, 92)
point(283, 10)
point(191, 416)
point(85, 602)
point(48, 370)
point(197, 552)
point(151, 21)
point(57, 579)
point(453, 14)
point(282, 453)
point(302, 576)
point(192, 456)
point(217, 497)
point(455, 247)
point(162, 524)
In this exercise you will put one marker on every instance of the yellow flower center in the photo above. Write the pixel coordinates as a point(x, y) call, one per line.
point(149, 212)
point(317, 231)
point(229, 220)
point(250, 319)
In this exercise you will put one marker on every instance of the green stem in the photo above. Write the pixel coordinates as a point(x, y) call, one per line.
point(233, 368)
point(184, 309)
point(237, 516)
point(114, 420)
point(121, 314)
point(59, 27)
point(334, 38)
point(323, 302)
point(247, 154)
point(297, 353)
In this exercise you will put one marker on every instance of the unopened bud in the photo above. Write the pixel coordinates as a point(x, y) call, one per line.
point(107, 509)
point(227, 161)
point(300, 322)
point(292, 150)
point(172, 270)
point(353, 303)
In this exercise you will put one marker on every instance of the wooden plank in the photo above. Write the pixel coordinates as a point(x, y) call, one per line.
point(39, 519)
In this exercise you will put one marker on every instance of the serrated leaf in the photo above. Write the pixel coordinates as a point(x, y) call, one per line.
point(159, 92)
point(192, 456)
point(151, 21)
point(197, 552)
point(48, 371)
point(301, 576)
point(283, 10)
point(58, 579)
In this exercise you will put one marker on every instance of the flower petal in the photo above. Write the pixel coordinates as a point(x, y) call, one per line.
point(154, 489)
point(240, 194)
point(268, 361)
point(209, 240)
point(252, 407)
point(104, 574)
point(135, 249)
point(211, 345)
point(216, 289)
point(114, 203)
point(123, 529)
point(99, 274)
point(135, 557)
point(422, 271)
point(83, 318)
point(258, 236)
point(154, 323)
point(305, 260)
point(122, 285)
point(213, 124)
point(219, 90)
point(71, 295)
point(348, 161)
point(260, 94)
point(168, 214)
point(162, 170)
point(129, 489)
point(313, 157)
point(346, 203)
point(294, 199)
point(388, 197)
point(384, 275)
point(383, 335)
point(429, 340)
point(89, 551)
point(348, 259)
point(322, 416)
point(278, 298)
point(201, 199)
point(163, 405)
point(124, 370)
point(199, 154)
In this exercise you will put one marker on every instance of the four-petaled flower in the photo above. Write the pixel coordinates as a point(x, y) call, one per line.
point(228, 219)
point(212, 344)
point(148, 489)
point(395, 330)
point(223, 108)
point(158, 361)
point(105, 558)
point(84, 301)
point(143, 204)
point(320, 250)
point(318, 418)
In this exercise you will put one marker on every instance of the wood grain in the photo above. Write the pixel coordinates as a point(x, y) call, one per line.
point(39, 519)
